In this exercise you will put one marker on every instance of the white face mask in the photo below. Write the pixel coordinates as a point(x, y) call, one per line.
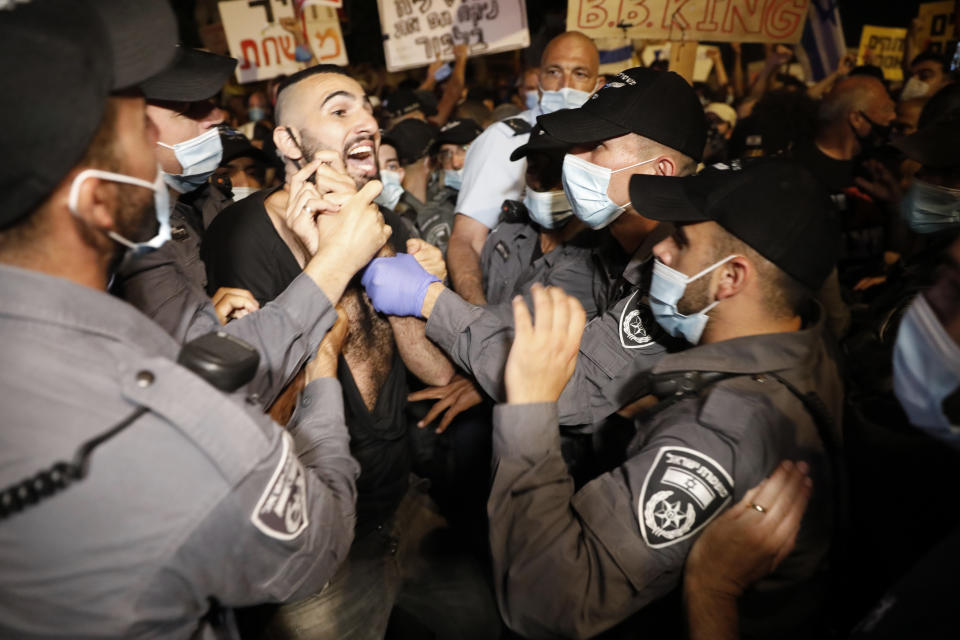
point(926, 369)
point(199, 157)
point(392, 189)
point(549, 209)
point(586, 186)
point(161, 203)
point(566, 98)
point(239, 193)
point(915, 88)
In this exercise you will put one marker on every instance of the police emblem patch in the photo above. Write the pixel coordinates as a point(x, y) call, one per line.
point(281, 512)
point(637, 325)
point(682, 492)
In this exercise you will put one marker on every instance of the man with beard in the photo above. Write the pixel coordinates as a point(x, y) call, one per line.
point(140, 536)
point(327, 134)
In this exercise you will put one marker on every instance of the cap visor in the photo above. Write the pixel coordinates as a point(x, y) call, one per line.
point(576, 126)
point(194, 76)
point(664, 198)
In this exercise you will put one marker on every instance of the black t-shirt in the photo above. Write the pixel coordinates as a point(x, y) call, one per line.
point(243, 249)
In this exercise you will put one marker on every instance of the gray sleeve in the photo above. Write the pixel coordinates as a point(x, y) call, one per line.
point(605, 378)
point(571, 564)
point(280, 533)
point(287, 332)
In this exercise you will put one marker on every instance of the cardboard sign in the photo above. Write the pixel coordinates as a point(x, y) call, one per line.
point(936, 31)
point(265, 49)
point(883, 47)
point(707, 20)
point(417, 32)
point(701, 68)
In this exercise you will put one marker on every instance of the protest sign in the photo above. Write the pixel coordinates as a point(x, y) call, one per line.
point(883, 47)
point(266, 49)
point(936, 29)
point(702, 67)
point(417, 32)
point(691, 20)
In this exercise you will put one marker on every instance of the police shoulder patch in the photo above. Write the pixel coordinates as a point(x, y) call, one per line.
point(684, 490)
point(637, 326)
point(519, 126)
point(281, 512)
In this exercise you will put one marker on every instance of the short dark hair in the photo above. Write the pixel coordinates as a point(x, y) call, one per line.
point(303, 74)
point(298, 77)
point(930, 56)
point(784, 295)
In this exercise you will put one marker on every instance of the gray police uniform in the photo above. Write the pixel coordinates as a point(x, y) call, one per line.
point(201, 499)
point(618, 346)
point(489, 177)
point(574, 564)
point(286, 331)
point(512, 261)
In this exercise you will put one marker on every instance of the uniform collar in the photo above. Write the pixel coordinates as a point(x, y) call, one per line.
point(41, 298)
point(753, 354)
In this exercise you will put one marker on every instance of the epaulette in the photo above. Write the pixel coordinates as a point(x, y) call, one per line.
point(519, 126)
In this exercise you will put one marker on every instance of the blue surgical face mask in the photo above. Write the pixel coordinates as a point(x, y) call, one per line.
point(453, 178)
point(586, 186)
point(565, 98)
point(392, 189)
point(926, 369)
point(666, 290)
point(161, 203)
point(928, 208)
point(198, 157)
point(533, 99)
point(256, 114)
point(549, 209)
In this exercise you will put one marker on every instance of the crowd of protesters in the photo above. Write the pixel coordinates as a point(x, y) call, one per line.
point(546, 352)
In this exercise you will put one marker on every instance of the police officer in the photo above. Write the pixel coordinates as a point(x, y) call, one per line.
point(435, 220)
point(149, 540)
point(568, 75)
point(760, 386)
point(649, 122)
point(539, 239)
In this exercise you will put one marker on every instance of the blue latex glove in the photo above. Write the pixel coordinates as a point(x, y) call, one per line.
point(397, 285)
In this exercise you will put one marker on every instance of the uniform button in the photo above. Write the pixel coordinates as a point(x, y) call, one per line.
point(392, 548)
point(759, 378)
point(144, 379)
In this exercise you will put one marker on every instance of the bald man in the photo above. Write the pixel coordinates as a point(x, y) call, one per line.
point(855, 118)
point(566, 79)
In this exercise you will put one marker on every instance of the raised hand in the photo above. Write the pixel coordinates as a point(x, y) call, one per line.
point(544, 353)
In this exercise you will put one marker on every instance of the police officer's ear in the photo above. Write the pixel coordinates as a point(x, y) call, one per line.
point(95, 201)
point(733, 277)
point(666, 166)
point(288, 141)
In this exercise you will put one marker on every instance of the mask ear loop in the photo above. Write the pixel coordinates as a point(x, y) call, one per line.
point(74, 197)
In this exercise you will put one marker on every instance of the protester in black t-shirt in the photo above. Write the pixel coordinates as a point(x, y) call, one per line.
point(329, 138)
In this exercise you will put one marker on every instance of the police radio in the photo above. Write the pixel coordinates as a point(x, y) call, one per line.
point(222, 360)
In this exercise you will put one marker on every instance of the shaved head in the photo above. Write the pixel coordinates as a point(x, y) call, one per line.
point(573, 43)
point(570, 60)
point(851, 94)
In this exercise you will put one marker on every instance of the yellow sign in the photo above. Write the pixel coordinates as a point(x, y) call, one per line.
point(936, 29)
point(691, 20)
point(883, 47)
